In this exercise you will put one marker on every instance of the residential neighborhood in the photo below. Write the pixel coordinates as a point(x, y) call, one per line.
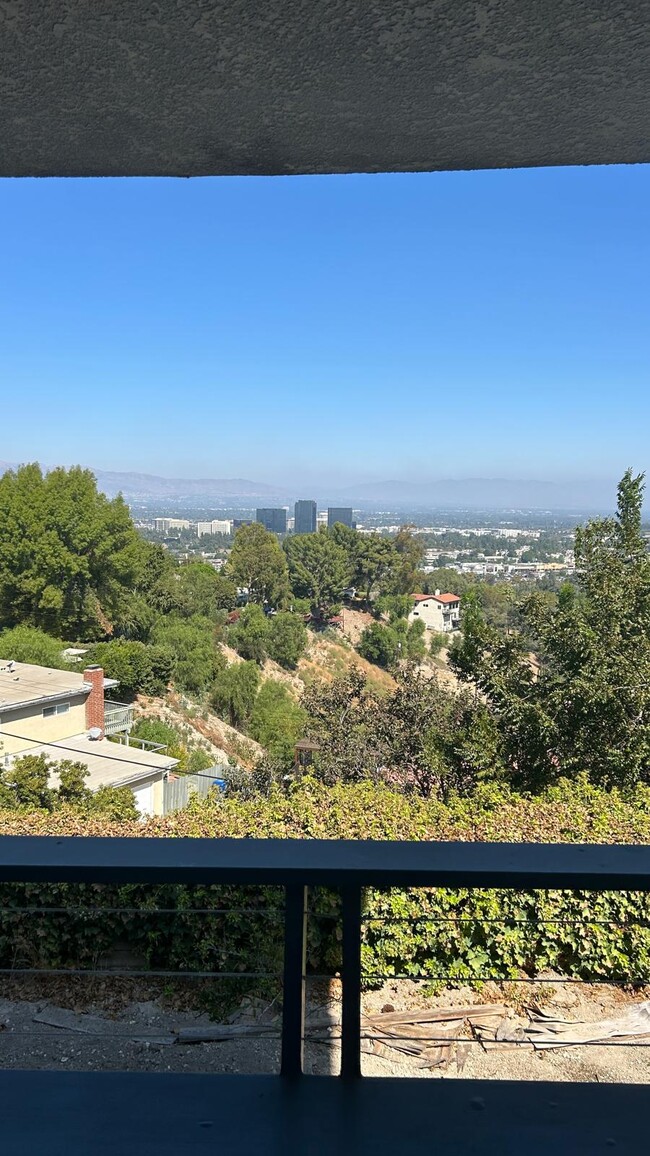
point(64, 715)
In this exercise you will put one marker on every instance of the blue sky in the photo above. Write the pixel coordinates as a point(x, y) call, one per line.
point(329, 330)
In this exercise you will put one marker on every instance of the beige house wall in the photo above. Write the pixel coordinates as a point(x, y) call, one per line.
point(29, 721)
point(430, 613)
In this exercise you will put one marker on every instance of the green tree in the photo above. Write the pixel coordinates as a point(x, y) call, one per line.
point(135, 620)
point(249, 634)
point(386, 645)
point(319, 570)
point(342, 718)
point(287, 639)
point(413, 638)
point(68, 556)
point(433, 743)
point(257, 563)
point(192, 647)
point(404, 574)
point(379, 644)
point(586, 706)
point(26, 783)
point(28, 644)
point(277, 722)
point(393, 606)
point(137, 667)
point(72, 782)
point(234, 692)
point(374, 559)
point(348, 540)
point(201, 590)
point(449, 581)
point(421, 738)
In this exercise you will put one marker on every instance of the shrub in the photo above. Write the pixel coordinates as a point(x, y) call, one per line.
point(234, 692)
point(154, 730)
point(27, 644)
point(464, 934)
point(277, 722)
point(192, 645)
point(138, 668)
point(378, 644)
point(249, 635)
point(199, 760)
point(287, 639)
point(30, 784)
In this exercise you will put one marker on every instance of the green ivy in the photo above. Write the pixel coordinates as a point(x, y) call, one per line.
point(462, 934)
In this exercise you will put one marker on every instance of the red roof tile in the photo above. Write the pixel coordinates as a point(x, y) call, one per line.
point(436, 597)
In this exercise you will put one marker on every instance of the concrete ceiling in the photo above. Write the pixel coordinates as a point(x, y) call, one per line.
point(198, 87)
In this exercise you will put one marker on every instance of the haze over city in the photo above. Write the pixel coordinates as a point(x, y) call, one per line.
point(377, 336)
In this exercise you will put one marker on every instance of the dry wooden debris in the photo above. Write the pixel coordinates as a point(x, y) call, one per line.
point(546, 1030)
point(507, 1032)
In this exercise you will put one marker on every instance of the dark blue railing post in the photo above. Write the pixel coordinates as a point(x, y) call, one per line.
point(293, 997)
point(351, 979)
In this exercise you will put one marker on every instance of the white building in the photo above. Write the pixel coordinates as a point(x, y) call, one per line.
point(167, 524)
point(63, 715)
point(217, 526)
point(439, 612)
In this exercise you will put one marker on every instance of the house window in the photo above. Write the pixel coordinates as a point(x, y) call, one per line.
point(60, 708)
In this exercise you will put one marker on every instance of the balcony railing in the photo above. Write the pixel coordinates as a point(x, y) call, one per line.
point(118, 717)
point(144, 1112)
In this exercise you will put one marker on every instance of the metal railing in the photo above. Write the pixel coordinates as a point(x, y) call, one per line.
point(128, 740)
point(118, 717)
point(343, 866)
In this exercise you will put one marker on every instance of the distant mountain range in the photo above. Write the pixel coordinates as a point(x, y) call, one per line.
point(135, 486)
point(461, 493)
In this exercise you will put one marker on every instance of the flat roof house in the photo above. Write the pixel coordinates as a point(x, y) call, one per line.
point(64, 715)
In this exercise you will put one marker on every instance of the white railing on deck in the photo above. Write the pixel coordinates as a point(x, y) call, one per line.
point(118, 717)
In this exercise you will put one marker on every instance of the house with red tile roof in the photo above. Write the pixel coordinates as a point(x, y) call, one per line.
point(439, 612)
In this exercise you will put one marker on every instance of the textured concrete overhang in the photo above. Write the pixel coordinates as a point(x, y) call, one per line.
point(196, 87)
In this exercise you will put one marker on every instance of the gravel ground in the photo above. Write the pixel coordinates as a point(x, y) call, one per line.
point(139, 1037)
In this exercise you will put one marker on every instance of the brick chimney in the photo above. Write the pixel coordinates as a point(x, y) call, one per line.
point(95, 701)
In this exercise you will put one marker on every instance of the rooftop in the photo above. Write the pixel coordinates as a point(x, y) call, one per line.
point(22, 683)
point(444, 598)
point(109, 764)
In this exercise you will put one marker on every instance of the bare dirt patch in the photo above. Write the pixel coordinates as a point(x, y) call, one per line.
point(223, 741)
point(143, 1028)
point(327, 659)
point(354, 623)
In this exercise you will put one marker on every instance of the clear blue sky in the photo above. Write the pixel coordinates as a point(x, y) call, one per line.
point(336, 329)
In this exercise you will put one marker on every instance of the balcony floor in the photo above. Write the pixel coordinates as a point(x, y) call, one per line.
point(142, 1114)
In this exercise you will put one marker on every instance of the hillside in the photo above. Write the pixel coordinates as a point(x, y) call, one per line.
point(221, 741)
point(327, 659)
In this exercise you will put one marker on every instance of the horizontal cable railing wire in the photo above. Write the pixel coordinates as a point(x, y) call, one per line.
point(351, 942)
